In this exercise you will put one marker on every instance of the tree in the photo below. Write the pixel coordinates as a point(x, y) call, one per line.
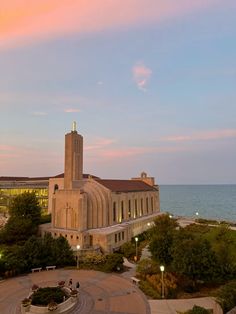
point(224, 245)
point(162, 236)
point(128, 249)
point(62, 253)
point(17, 231)
point(194, 258)
point(24, 219)
point(113, 262)
point(32, 252)
point(26, 206)
point(15, 261)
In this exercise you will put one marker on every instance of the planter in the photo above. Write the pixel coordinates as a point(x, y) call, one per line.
point(52, 306)
point(61, 283)
point(74, 293)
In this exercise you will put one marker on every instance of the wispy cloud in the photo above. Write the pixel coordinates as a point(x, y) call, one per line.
point(37, 20)
point(99, 144)
point(202, 136)
point(141, 75)
point(72, 110)
point(39, 113)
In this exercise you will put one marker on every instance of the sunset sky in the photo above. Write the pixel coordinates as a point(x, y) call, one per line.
point(151, 84)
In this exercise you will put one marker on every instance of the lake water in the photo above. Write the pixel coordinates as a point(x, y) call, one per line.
point(210, 201)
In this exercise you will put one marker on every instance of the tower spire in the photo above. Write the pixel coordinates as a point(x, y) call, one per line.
point(74, 126)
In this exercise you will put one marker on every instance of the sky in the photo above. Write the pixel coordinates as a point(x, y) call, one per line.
point(150, 83)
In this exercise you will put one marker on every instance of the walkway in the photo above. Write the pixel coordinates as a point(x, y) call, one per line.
point(99, 292)
point(176, 306)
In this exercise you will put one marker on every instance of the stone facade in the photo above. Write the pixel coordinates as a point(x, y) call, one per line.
point(94, 212)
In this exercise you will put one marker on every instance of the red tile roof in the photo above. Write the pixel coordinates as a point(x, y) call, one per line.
point(126, 185)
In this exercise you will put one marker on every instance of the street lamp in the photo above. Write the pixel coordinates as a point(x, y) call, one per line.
point(78, 247)
point(162, 268)
point(136, 246)
point(197, 214)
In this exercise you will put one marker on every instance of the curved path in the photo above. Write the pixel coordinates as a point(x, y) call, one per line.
point(99, 292)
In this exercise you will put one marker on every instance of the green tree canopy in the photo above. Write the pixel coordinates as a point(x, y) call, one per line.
point(26, 206)
point(162, 236)
point(194, 258)
point(25, 214)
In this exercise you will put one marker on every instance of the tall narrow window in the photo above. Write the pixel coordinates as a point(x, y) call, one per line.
point(136, 208)
point(152, 204)
point(129, 212)
point(122, 210)
point(114, 211)
point(141, 210)
point(147, 204)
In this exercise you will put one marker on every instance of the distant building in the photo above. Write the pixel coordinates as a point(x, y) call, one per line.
point(10, 187)
point(93, 212)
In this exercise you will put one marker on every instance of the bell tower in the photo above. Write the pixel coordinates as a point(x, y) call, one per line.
point(73, 157)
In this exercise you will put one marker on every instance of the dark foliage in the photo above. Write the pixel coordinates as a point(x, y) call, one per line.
point(43, 296)
point(226, 296)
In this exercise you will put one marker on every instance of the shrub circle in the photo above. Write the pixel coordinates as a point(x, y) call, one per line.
point(43, 296)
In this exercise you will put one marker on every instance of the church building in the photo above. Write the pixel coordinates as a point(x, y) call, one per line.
point(99, 213)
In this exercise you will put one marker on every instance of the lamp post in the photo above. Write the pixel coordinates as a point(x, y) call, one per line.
point(78, 247)
point(136, 246)
point(162, 268)
point(197, 214)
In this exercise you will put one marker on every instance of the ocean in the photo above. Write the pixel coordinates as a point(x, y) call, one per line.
point(209, 201)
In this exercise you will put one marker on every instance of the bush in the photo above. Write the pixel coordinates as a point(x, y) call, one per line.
point(149, 290)
point(92, 260)
point(147, 267)
point(170, 284)
point(114, 262)
point(198, 310)
point(43, 296)
point(207, 221)
point(128, 249)
point(226, 296)
point(45, 219)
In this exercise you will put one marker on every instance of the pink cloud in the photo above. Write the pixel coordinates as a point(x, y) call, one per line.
point(99, 143)
point(7, 148)
point(141, 75)
point(72, 110)
point(131, 152)
point(34, 20)
point(203, 136)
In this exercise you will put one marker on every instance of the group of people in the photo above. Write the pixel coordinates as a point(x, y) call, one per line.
point(77, 285)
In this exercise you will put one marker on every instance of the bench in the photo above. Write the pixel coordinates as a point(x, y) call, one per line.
point(36, 269)
point(135, 280)
point(50, 267)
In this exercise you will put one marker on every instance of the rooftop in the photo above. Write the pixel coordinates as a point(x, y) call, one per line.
point(126, 185)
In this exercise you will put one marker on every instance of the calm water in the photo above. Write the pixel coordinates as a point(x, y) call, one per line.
point(210, 201)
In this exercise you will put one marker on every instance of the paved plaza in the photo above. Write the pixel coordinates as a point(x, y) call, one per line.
point(99, 292)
